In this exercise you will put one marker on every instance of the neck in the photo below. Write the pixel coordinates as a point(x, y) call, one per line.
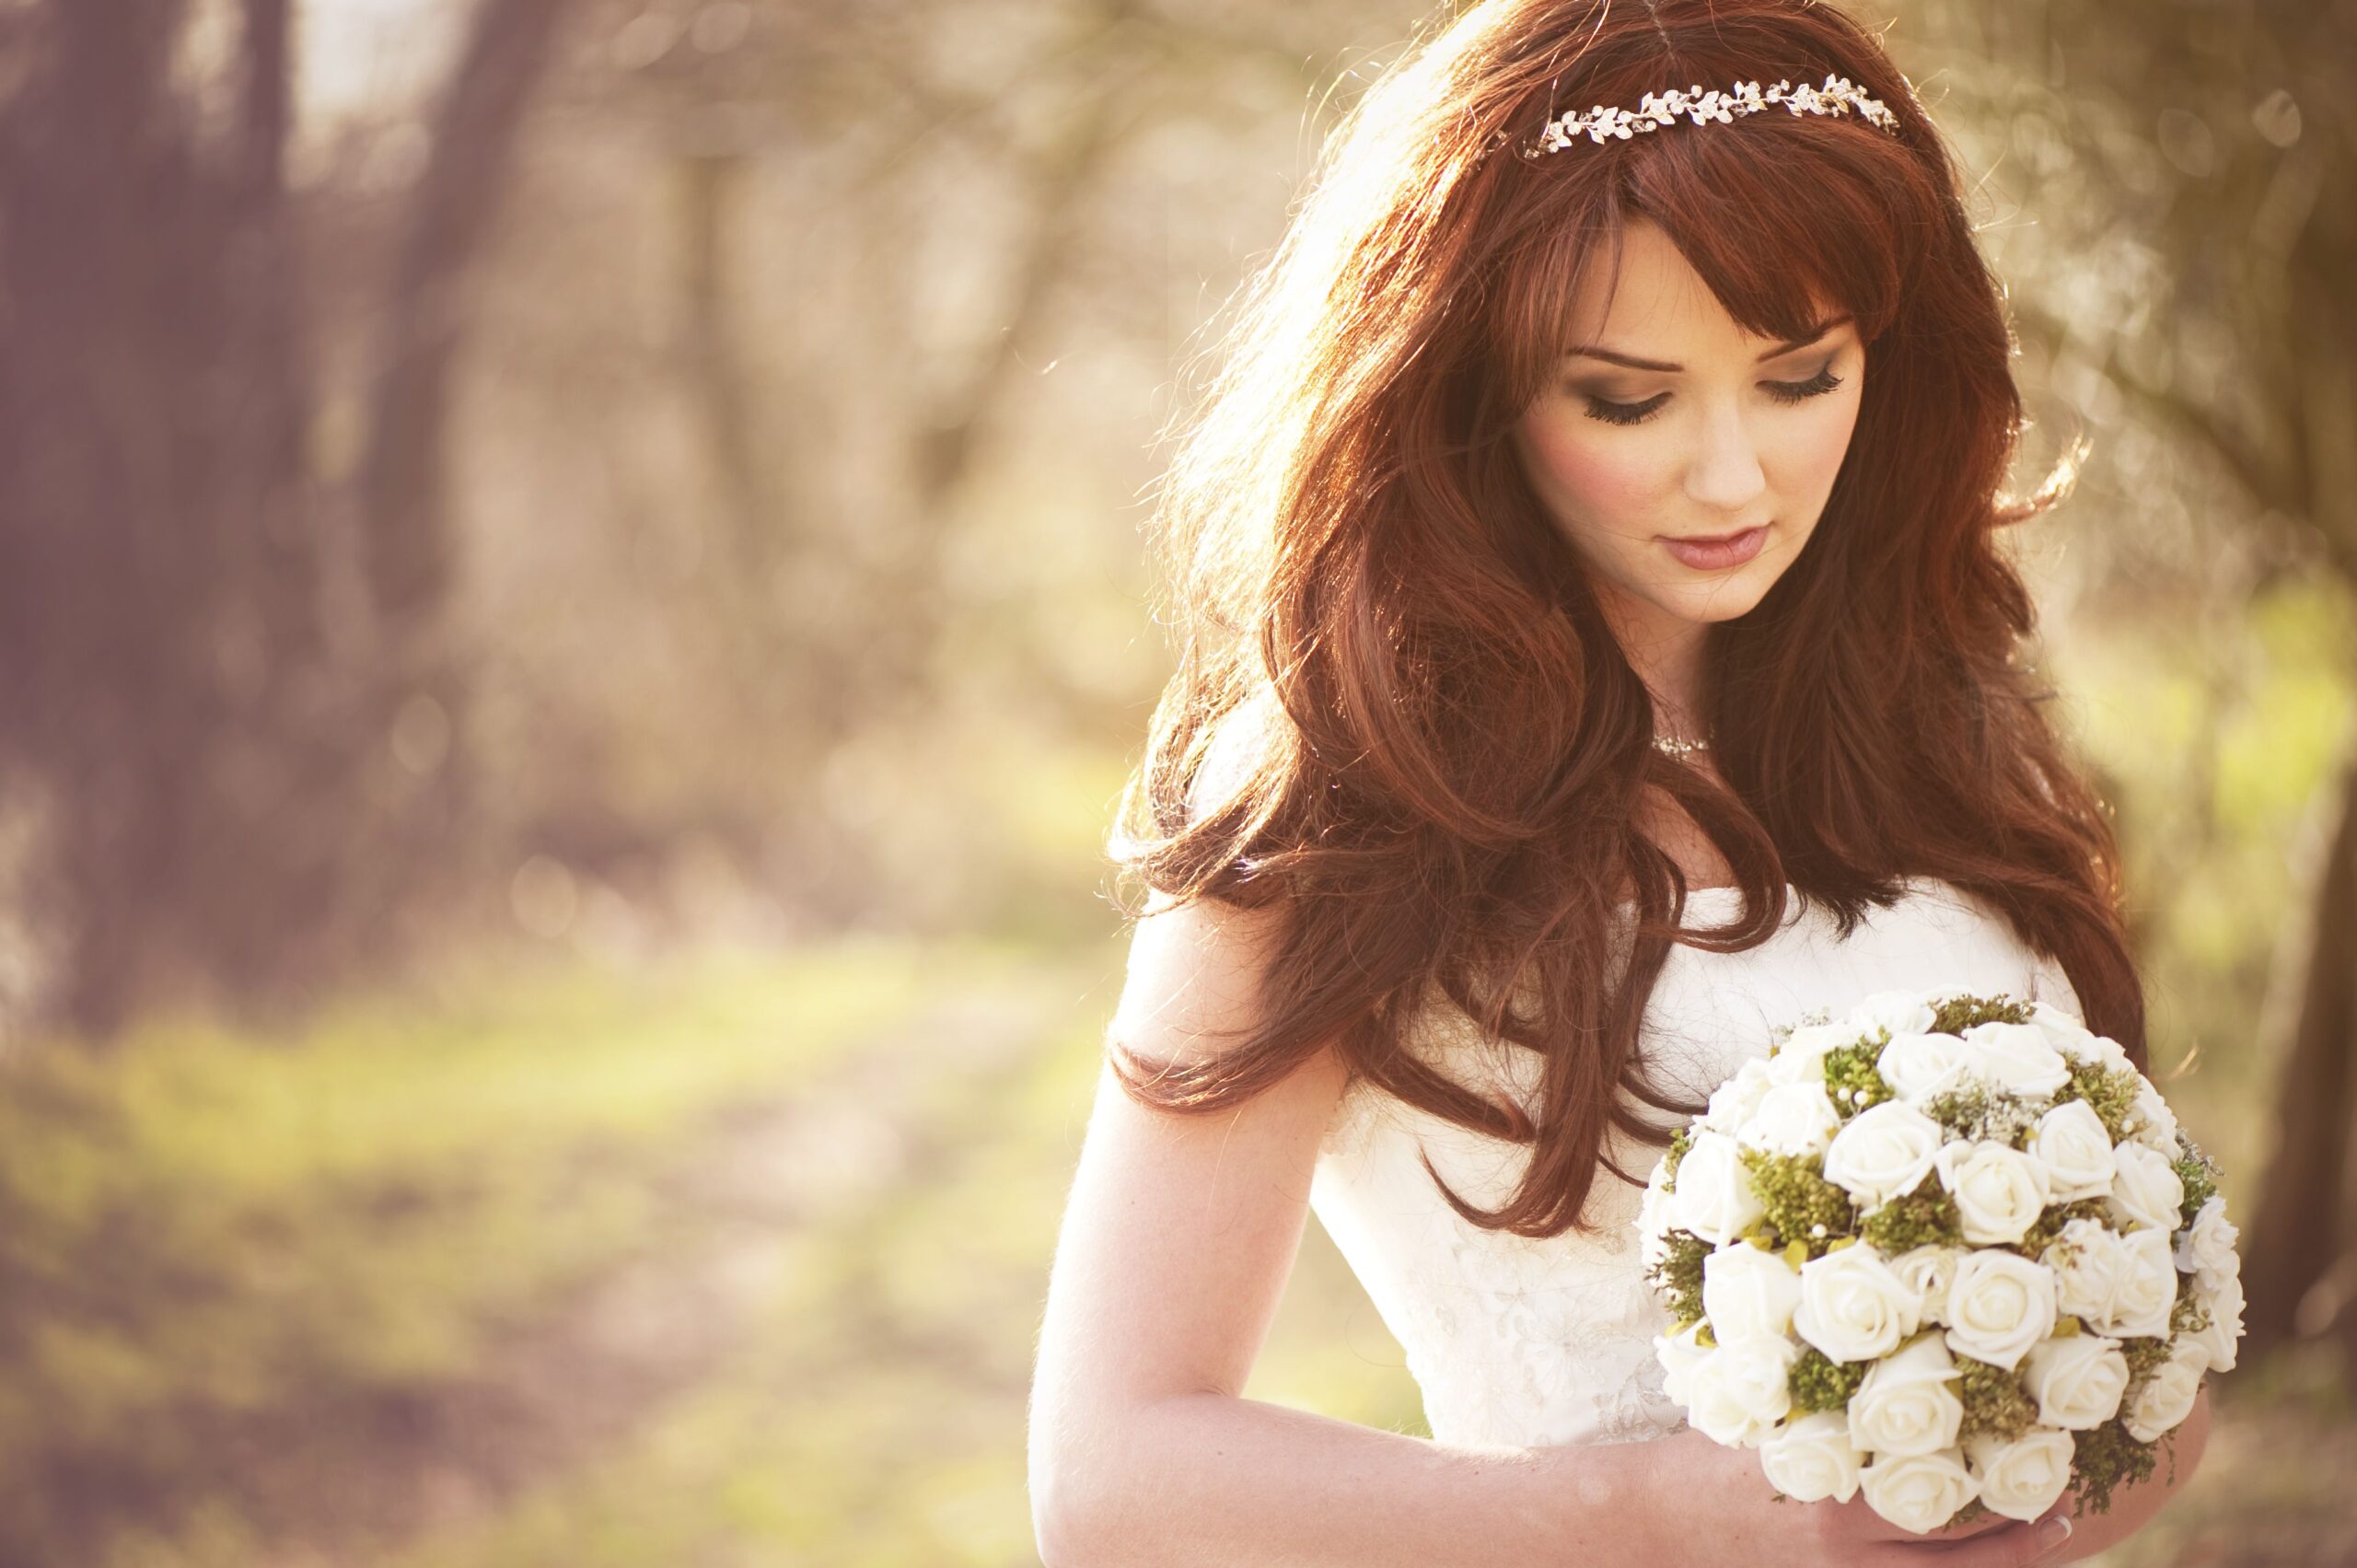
point(1667, 653)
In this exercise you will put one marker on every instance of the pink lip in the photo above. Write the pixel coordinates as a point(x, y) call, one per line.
point(1719, 551)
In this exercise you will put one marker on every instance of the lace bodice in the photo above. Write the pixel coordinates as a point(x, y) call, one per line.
point(1529, 1343)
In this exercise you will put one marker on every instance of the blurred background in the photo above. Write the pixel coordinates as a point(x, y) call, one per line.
point(571, 616)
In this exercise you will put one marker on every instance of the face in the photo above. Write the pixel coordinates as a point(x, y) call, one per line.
point(1720, 434)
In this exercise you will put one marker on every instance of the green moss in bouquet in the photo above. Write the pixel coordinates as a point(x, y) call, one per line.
point(2188, 1316)
point(2106, 1458)
point(1995, 1404)
point(1982, 1113)
point(1819, 1383)
point(1800, 1205)
point(2143, 1351)
point(1680, 1142)
point(1853, 1080)
point(1958, 1014)
point(1920, 1218)
point(2048, 1229)
point(2199, 1174)
point(2111, 1093)
point(1678, 1276)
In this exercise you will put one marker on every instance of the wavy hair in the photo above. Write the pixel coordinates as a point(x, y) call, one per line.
point(1434, 752)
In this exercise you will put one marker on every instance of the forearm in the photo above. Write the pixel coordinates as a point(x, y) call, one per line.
point(1207, 1477)
point(2133, 1506)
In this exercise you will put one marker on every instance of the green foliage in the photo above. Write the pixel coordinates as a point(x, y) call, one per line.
point(1819, 1383)
point(2050, 1222)
point(2107, 1457)
point(1958, 1014)
point(1800, 1205)
point(2111, 1093)
point(1920, 1218)
point(1984, 1115)
point(2143, 1351)
point(1680, 1142)
point(1850, 1069)
point(1995, 1404)
point(1678, 1276)
point(2198, 1172)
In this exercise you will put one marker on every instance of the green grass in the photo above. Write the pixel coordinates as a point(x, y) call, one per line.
point(205, 1227)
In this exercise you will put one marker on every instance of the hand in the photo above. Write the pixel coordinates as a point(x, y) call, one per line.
point(1718, 1507)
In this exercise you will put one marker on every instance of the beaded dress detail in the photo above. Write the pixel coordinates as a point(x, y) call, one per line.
point(1528, 1342)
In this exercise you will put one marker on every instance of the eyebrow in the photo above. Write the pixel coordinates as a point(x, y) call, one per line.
point(1633, 363)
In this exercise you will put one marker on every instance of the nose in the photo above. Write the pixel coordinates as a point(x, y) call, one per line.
point(1725, 475)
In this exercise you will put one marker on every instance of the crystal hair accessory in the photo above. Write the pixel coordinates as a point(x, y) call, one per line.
point(1838, 96)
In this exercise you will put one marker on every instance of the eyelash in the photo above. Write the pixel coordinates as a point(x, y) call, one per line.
point(1817, 386)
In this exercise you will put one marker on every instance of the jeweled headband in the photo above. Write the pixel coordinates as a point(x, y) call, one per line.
point(1838, 96)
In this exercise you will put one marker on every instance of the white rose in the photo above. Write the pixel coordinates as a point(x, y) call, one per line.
point(2077, 1380)
point(2088, 1261)
point(2224, 1306)
point(2109, 1054)
point(2150, 1122)
point(2206, 1251)
point(1852, 1307)
point(2065, 1030)
point(2000, 1304)
point(2146, 1190)
point(2023, 1479)
point(2018, 1057)
point(2070, 1142)
point(1884, 1153)
point(1896, 1012)
point(1740, 1390)
point(1919, 1492)
point(1812, 1460)
point(1927, 1270)
point(1733, 1102)
point(1999, 1191)
point(2167, 1396)
point(1907, 1403)
point(1918, 1066)
point(1748, 1290)
point(1680, 1355)
point(2144, 1293)
point(1800, 1059)
point(1714, 1198)
point(1792, 1119)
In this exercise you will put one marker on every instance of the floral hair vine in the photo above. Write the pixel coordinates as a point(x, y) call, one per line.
point(1838, 96)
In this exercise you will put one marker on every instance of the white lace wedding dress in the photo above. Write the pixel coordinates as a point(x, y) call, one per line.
point(1528, 1342)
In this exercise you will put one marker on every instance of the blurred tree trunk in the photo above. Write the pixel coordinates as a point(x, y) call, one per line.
point(407, 551)
point(202, 776)
point(2299, 1221)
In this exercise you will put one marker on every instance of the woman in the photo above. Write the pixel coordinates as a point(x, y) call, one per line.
point(1596, 651)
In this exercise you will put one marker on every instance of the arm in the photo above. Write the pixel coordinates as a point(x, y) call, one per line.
point(1178, 1240)
point(2133, 1506)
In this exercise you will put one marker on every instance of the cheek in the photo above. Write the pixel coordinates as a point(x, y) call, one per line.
point(1598, 483)
point(1812, 456)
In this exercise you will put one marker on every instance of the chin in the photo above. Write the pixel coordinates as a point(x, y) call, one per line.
point(1707, 607)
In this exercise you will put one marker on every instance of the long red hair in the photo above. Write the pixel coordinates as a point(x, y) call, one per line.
point(1434, 750)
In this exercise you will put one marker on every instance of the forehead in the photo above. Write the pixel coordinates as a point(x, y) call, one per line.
point(1653, 302)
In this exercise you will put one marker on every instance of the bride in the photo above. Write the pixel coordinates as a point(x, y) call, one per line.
point(1597, 651)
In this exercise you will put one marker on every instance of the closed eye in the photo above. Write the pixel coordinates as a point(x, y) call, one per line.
point(1817, 386)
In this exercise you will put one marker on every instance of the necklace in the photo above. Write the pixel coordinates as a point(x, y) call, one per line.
point(1675, 747)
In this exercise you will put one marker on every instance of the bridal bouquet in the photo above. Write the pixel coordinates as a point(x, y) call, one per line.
point(1950, 1251)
